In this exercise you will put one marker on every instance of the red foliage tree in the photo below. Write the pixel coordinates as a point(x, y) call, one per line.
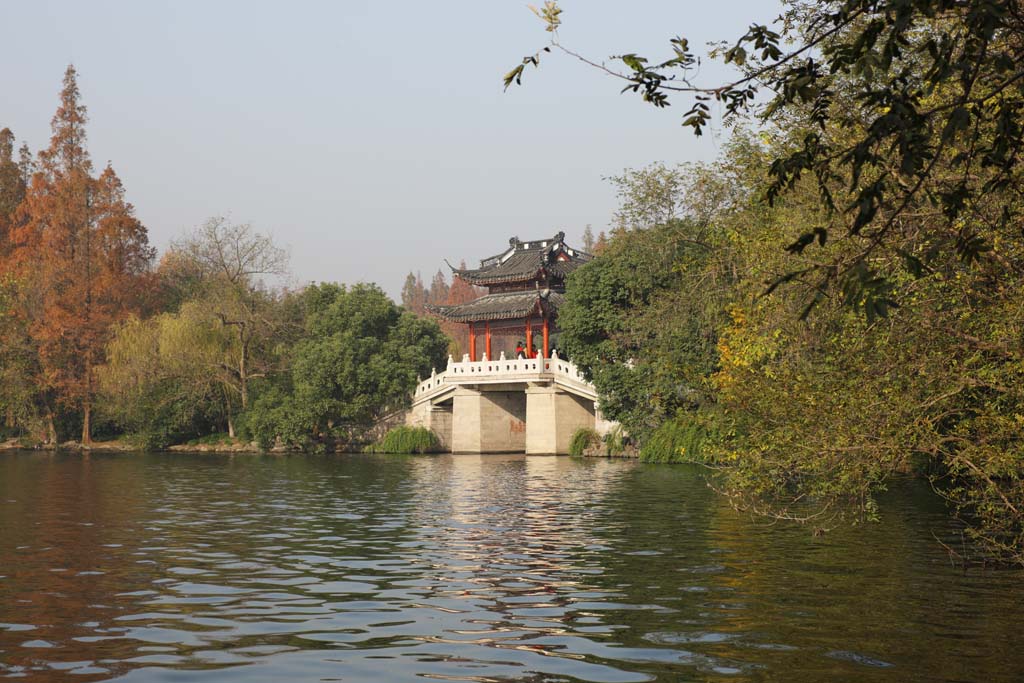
point(414, 294)
point(438, 292)
point(82, 254)
point(460, 292)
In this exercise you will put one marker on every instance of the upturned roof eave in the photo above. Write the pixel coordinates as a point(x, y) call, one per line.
point(503, 306)
point(478, 277)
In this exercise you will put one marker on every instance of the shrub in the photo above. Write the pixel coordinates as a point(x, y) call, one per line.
point(582, 440)
point(680, 439)
point(153, 439)
point(615, 441)
point(406, 440)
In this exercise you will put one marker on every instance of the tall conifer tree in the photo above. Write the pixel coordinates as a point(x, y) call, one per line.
point(85, 254)
point(588, 239)
point(438, 292)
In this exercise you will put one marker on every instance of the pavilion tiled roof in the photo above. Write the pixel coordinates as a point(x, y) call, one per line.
point(526, 261)
point(500, 306)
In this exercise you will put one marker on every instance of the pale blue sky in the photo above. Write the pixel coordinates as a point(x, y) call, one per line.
point(371, 138)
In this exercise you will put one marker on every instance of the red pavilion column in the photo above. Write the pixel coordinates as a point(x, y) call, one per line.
point(487, 339)
point(529, 338)
point(472, 342)
point(547, 351)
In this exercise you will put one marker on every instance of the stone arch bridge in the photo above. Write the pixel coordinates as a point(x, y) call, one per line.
point(531, 405)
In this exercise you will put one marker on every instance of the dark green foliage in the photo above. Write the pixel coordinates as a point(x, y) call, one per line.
point(12, 186)
point(274, 415)
point(875, 243)
point(808, 417)
point(407, 440)
point(583, 439)
point(631, 324)
point(357, 361)
point(888, 106)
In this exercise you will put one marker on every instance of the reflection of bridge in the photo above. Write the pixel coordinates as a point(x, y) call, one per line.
point(531, 405)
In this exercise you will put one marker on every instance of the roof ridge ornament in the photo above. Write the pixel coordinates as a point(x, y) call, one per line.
point(521, 262)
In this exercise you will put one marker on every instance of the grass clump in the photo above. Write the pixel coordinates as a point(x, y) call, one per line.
point(615, 441)
point(406, 440)
point(583, 440)
point(681, 439)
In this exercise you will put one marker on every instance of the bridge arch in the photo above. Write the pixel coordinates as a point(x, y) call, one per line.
point(531, 405)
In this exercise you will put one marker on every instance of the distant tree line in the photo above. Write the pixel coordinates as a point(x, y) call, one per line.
point(416, 297)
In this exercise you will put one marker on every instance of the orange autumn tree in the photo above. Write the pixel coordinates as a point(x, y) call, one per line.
point(459, 292)
point(83, 254)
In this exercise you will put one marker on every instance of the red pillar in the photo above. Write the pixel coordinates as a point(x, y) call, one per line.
point(487, 339)
point(472, 342)
point(529, 339)
point(547, 348)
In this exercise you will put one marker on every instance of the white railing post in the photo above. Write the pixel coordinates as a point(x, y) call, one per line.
point(503, 370)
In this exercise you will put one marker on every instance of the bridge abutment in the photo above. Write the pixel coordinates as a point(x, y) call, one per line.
point(552, 417)
point(436, 418)
point(488, 421)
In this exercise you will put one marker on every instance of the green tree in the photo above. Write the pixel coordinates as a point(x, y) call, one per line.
point(358, 360)
point(888, 106)
point(171, 377)
point(637, 326)
point(19, 365)
point(12, 190)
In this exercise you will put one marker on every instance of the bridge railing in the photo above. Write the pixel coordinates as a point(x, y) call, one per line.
point(502, 369)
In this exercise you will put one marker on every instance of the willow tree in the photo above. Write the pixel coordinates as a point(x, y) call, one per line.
point(229, 262)
point(170, 377)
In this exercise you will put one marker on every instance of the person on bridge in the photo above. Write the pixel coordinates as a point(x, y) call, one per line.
point(519, 349)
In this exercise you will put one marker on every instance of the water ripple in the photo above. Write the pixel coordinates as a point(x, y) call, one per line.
point(465, 568)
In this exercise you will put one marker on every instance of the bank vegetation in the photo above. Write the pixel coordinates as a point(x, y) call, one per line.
point(839, 298)
point(203, 346)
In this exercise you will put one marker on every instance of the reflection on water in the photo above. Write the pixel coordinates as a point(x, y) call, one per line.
point(467, 568)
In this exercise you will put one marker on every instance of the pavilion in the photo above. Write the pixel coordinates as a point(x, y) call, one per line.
point(525, 288)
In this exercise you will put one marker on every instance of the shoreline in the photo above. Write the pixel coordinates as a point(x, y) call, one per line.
point(219, 449)
point(122, 447)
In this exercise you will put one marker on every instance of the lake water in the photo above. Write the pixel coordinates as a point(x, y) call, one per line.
point(469, 568)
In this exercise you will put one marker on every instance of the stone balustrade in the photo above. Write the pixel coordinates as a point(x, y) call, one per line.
point(502, 370)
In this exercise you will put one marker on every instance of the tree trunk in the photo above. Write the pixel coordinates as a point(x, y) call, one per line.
point(227, 410)
point(243, 379)
point(51, 429)
point(87, 426)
